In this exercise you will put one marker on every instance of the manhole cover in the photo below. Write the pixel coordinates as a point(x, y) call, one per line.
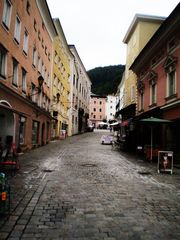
point(88, 165)
point(144, 173)
point(48, 170)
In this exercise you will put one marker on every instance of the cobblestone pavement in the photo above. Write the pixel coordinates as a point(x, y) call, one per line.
point(78, 189)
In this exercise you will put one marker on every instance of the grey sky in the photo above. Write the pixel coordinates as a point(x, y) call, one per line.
point(97, 27)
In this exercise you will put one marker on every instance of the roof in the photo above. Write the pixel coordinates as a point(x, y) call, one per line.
point(141, 18)
point(168, 27)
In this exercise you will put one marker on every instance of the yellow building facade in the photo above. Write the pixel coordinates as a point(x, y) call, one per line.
point(60, 99)
point(140, 31)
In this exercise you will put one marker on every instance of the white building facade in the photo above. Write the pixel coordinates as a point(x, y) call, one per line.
point(110, 107)
point(80, 94)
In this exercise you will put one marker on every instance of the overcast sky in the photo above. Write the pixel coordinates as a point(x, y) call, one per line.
point(97, 27)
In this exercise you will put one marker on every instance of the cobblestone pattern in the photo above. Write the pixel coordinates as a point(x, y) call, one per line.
point(80, 189)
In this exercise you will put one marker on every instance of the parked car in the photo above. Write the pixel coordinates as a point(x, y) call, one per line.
point(106, 139)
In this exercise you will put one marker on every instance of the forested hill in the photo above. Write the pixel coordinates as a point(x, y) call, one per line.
point(105, 80)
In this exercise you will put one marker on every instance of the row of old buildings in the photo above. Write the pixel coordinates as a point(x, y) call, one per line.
point(44, 87)
point(150, 86)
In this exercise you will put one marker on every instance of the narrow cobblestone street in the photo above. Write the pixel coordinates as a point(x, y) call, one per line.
point(81, 189)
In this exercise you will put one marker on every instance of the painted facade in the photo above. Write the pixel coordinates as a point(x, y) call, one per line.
point(140, 31)
point(110, 107)
point(61, 96)
point(80, 90)
point(158, 71)
point(97, 109)
point(26, 33)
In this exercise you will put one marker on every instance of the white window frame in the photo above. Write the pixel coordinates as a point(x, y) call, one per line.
point(3, 61)
point(17, 30)
point(7, 14)
point(168, 94)
point(151, 93)
point(25, 42)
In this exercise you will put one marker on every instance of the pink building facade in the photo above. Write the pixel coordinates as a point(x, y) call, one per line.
point(97, 109)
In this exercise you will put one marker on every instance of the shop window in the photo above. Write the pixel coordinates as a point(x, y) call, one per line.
point(7, 14)
point(22, 125)
point(3, 55)
point(35, 129)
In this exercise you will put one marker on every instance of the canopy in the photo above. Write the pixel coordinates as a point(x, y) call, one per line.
point(152, 121)
point(103, 123)
point(114, 124)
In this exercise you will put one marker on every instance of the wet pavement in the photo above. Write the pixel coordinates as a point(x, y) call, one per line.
point(78, 189)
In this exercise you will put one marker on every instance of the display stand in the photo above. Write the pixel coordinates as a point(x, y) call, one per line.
point(165, 162)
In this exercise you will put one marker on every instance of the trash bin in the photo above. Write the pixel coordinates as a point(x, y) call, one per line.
point(4, 194)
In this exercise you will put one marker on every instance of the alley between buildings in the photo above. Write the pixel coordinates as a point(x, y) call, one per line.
point(80, 189)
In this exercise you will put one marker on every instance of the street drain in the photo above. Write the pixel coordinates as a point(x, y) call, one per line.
point(48, 170)
point(88, 165)
point(144, 173)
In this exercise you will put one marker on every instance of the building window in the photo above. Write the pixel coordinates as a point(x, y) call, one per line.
point(39, 64)
point(35, 25)
point(55, 80)
point(153, 93)
point(100, 110)
point(28, 7)
point(94, 102)
point(3, 54)
point(171, 84)
point(170, 69)
point(34, 56)
point(15, 73)
point(24, 73)
point(153, 77)
point(94, 116)
point(25, 43)
point(17, 31)
point(94, 109)
point(7, 14)
point(100, 117)
point(100, 102)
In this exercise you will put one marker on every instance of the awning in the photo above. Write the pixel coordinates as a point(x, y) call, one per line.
point(3, 106)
